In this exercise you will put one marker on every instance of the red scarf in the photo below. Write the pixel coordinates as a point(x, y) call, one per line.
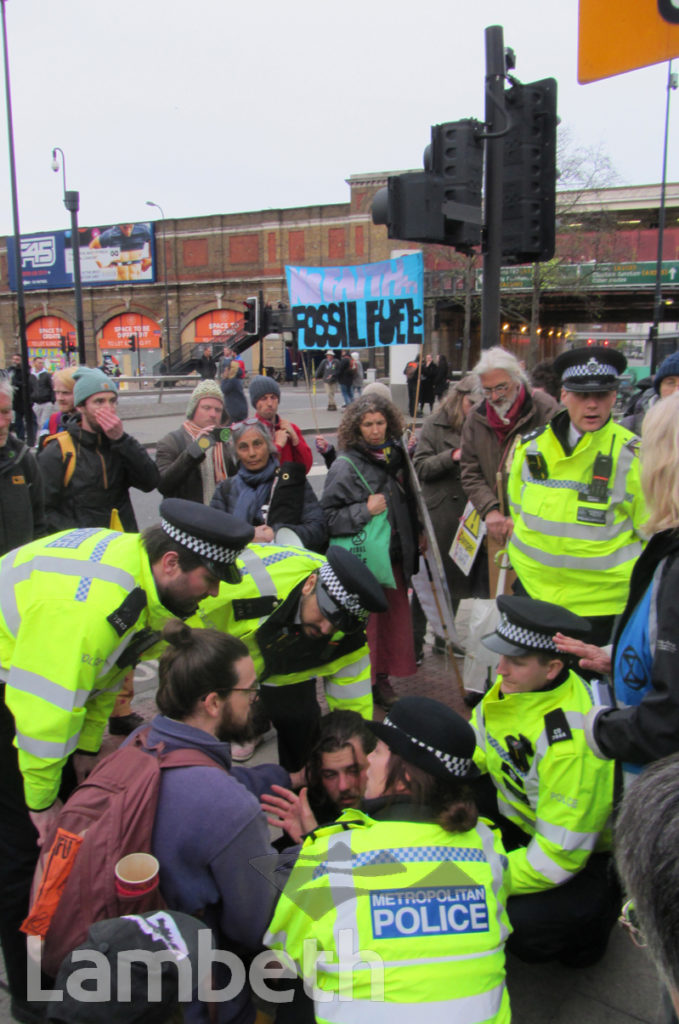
point(500, 426)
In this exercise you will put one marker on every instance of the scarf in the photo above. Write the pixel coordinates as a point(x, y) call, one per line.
point(249, 491)
point(502, 425)
point(213, 467)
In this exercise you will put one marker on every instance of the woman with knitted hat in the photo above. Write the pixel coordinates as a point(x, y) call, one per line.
point(194, 459)
point(407, 895)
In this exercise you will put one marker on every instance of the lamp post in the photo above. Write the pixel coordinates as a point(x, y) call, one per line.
point(21, 304)
point(167, 299)
point(72, 204)
point(657, 298)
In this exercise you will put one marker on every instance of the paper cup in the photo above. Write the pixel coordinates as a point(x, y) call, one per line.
point(136, 875)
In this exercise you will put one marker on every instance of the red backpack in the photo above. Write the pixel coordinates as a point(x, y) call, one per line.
point(114, 810)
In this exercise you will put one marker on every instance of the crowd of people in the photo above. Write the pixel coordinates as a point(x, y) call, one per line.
point(417, 844)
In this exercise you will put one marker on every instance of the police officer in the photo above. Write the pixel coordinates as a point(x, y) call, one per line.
point(79, 609)
point(554, 797)
point(302, 615)
point(407, 894)
point(575, 496)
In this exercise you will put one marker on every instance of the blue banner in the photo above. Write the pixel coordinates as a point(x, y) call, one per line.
point(109, 254)
point(362, 306)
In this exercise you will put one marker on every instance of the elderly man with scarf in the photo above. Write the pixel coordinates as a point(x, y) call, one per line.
point(194, 459)
point(490, 434)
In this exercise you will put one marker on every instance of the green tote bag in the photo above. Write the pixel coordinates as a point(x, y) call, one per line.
point(371, 542)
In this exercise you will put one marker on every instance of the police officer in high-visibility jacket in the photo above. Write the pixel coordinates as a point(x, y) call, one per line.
point(77, 610)
point(302, 615)
point(553, 796)
point(575, 496)
point(398, 912)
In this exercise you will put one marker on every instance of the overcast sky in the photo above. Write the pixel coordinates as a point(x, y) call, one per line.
point(215, 107)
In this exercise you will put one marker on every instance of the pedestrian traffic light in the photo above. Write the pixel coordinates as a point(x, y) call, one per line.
point(62, 343)
point(442, 204)
point(132, 343)
point(251, 319)
point(529, 173)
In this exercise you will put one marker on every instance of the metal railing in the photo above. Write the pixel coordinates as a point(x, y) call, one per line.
point(145, 381)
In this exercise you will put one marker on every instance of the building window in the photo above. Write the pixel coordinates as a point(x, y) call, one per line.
point(243, 249)
point(296, 245)
point(194, 252)
point(336, 243)
point(271, 247)
point(359, 243)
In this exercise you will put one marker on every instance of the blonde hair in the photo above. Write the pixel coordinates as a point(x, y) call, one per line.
point(64, 378)
point(660, 464)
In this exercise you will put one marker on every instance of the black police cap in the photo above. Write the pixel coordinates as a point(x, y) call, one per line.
point(217, 538)
point(528, 626)
point(429, 735)
point(592, 368)
point(347, 592)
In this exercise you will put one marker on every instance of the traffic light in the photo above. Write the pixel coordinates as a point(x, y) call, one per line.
point(529, 173)
point(441, 204)
point(62, 343)
point(275, 321)
point(251, 319)
point(132, 343)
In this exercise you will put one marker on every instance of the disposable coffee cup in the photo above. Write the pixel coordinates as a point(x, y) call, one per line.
point(136, 875)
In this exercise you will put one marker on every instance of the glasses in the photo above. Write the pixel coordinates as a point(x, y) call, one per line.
point(629, 921)
point(500, 390)
point(251, 690)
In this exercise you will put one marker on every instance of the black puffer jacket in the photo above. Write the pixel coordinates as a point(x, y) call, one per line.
point(22, 514)
point(104, 472)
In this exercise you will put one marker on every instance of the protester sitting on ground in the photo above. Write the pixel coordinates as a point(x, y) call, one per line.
point(416, 878)
point(550, 795)
point(22, 507)
point(265, 396)
point(643, 663)
point(437, 464)
point(336, 775)
point(646, 842)
point(209, 826)
point(194, 459)
point(267, 494)
point(370, 477)
point(63, 395)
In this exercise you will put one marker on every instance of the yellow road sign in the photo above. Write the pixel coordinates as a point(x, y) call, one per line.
point(619, 35)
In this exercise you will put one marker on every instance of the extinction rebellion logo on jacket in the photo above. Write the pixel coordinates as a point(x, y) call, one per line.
point(446, 910)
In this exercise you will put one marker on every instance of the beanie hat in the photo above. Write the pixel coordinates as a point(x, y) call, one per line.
point(206, 389)
point(379, 390)
point(260, 386)
point(89, 381)
point(668, 368)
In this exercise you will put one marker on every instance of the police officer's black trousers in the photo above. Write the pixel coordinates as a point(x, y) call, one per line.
point(295, 713)
point(18, 853)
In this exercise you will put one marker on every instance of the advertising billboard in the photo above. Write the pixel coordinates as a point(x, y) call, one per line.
point(109, 254)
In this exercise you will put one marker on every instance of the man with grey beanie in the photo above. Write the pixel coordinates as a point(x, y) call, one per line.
point(197, 457)
point(265, 395)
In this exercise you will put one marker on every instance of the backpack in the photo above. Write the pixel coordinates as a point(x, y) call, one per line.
point(65, 442)
point(114, 811)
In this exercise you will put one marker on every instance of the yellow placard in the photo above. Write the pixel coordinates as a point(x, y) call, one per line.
point(620, 35)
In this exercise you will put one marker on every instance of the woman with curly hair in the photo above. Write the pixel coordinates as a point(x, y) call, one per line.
point(370, 476)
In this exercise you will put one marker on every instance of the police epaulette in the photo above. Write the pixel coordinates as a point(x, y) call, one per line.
point(253, 607)
point(532, 434)
point(634, 444)
point(125, 616)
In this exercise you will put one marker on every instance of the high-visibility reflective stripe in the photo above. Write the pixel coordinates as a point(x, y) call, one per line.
point(622, 467)
point(342, 884)
point(465, 1010)
point(8, 601)
point(337, 968)
point(85, 569)
point(348, 691)
point(566, 838)
point(254, 565)
point(354, 668)
point(510, 810)
point(41, 748)
point(498, 866)
point(540, 861)
point(109, 662)
point(578, 531)
point(46, 689)
point(595, 563)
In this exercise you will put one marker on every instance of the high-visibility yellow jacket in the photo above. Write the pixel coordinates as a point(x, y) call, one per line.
point(562, 795)
point(260, 610)
point(60, 641)
point(571, 545)
point(391, 921)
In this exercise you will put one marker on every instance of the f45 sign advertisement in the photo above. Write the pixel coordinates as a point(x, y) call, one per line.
point(109, 254)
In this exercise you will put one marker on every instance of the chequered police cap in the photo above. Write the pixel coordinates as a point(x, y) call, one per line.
point(591, 368)
point(215, 537)
point(529, 625)
point(340, 595)
point(430, 735)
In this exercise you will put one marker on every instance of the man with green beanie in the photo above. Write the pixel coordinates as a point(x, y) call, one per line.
point(89, 468)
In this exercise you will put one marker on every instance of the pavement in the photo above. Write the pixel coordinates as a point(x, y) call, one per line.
point(623, 987)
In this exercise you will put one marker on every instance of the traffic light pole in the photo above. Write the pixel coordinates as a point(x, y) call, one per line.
point(496, 121)
point(260, 332)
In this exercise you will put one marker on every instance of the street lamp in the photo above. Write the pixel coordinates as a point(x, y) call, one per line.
point(167, 300)
point(72, 204)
